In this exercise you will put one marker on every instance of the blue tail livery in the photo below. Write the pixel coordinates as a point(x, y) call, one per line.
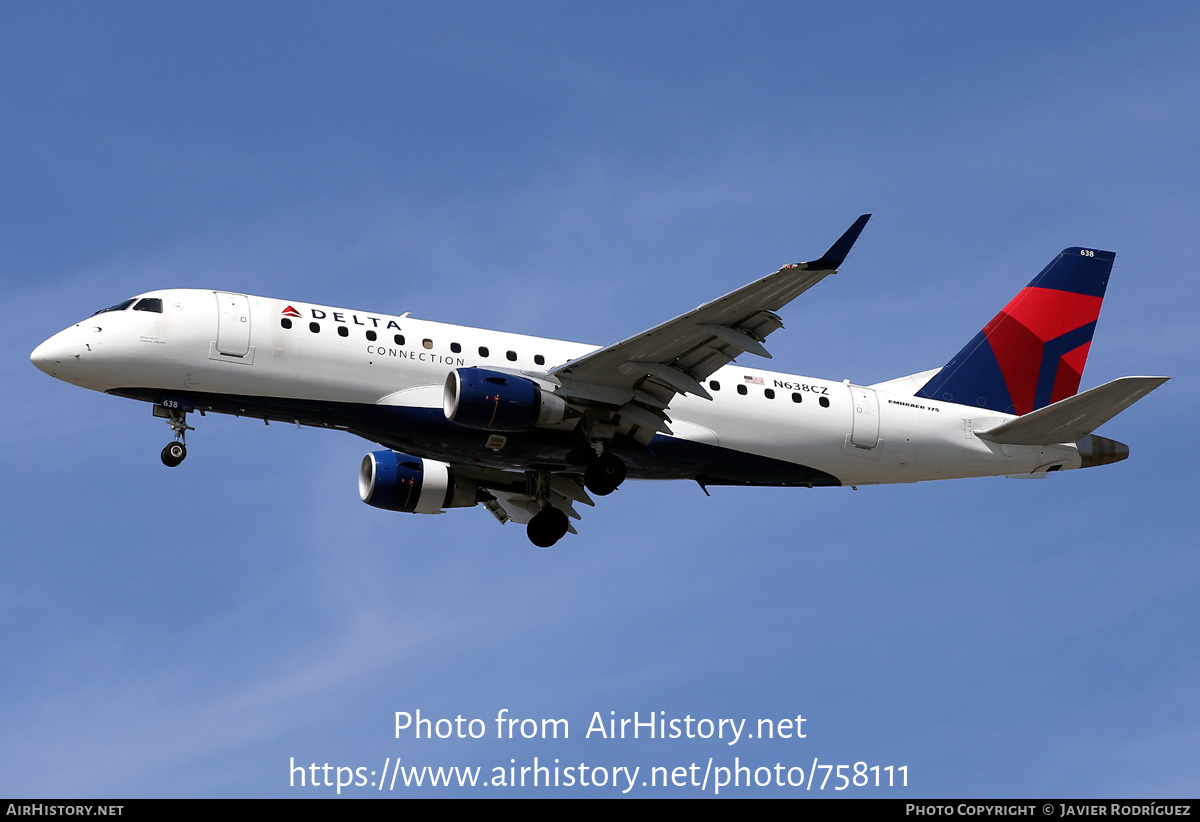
point(1032, 353)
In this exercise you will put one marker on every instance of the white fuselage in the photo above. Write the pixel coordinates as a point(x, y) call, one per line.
point(236, 349)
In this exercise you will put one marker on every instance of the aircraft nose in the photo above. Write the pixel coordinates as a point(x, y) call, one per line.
point(53, 354)
point(41, 357)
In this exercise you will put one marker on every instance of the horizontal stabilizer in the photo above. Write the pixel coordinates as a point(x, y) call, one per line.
point(1072, 419)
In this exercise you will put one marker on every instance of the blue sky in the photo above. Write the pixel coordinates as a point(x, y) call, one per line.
point(584, 173)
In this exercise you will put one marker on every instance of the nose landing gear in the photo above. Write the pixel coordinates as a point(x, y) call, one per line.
point(173, 454)
point(175, 413)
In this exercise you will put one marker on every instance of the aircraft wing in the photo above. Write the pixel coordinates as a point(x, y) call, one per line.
point(639, 377)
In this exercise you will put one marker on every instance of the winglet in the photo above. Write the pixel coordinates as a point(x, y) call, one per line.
point(837, 252)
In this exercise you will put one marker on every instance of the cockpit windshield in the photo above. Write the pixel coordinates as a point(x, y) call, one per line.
point(149, 304)
point(118, 307)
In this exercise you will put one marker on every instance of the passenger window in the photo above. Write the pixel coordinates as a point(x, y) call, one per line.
point(769, 393)
point(742, 390)
point(343, 331)
point(714, 385)
point(539, 359)
point(483, 352)
point(371, 336)
point(285, 322)
point(399, 338)
point(427, 343)
point(314, 328)
point(455, 348)
point(824, 402)
point(149, 304)
point(512, 356)
point(796, 397)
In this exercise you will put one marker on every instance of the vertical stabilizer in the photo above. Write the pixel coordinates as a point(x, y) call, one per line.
point(1032, 353)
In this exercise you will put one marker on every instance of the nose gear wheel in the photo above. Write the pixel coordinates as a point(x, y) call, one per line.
point(175, 452)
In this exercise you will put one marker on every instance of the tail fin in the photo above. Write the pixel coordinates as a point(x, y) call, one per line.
point(1032, 353)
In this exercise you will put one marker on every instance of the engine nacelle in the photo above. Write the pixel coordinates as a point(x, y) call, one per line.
point(400, 482)
point(495, 401)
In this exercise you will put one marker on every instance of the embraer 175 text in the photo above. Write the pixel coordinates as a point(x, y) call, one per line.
point(527, 426)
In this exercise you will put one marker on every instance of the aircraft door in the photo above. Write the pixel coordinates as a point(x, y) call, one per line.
point(865, 427)
point(233, 324)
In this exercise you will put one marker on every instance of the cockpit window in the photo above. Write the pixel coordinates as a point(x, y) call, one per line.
point(149, 304)
point(117, 307)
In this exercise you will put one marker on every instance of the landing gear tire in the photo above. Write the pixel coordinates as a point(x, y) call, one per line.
point(604, 475)
point(173, 454)
point(547, 527)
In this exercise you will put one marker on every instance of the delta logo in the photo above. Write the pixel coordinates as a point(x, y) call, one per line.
point(340, 317)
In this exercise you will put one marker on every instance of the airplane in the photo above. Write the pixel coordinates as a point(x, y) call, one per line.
point(528, 427)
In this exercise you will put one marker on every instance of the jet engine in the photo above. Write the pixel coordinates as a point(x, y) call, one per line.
point(400, 482)
point(495, 401)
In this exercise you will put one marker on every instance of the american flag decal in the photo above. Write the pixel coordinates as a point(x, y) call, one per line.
point(754, 380)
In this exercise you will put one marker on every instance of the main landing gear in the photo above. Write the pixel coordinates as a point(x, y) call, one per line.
point(547, 527)
point(174, 452)
point(550, 524)
point(604, 475)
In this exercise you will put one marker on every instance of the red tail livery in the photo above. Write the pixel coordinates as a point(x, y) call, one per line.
point(1032, 353)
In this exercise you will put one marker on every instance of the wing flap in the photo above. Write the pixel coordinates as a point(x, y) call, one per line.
point(509, 505)
point(521, 509)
